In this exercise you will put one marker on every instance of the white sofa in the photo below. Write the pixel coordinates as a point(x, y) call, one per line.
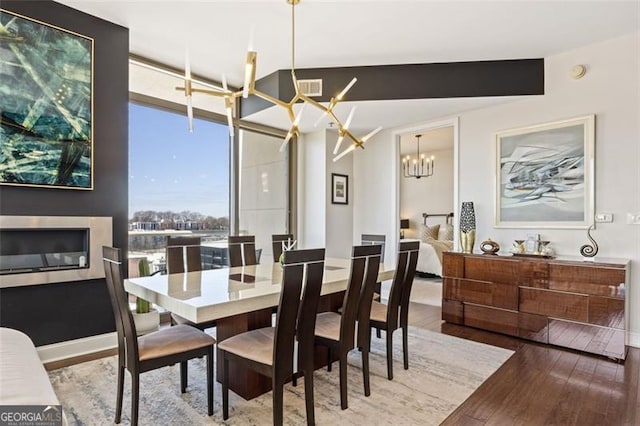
point(23, 379)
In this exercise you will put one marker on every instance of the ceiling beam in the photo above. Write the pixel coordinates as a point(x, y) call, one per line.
point(515, 77)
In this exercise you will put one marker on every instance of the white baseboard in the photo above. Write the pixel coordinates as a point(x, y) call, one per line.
point(77, 347)
point(634, 339)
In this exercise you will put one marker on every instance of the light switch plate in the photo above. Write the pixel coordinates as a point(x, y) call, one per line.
point(633, 218)
point(604, 217)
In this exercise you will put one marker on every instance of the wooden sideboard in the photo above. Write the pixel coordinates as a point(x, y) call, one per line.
point(564, 302)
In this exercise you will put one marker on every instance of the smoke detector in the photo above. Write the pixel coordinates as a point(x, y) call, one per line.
point(578, 71)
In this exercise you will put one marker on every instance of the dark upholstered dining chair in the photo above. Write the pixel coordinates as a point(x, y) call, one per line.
point(183, 255)
point(396, 312)
point(270, 350)
point(277, 242)
point(160, 348)
point(242, 250)
point(375, 239)
point(337, 332)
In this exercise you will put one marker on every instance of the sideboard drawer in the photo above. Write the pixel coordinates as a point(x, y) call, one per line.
point(452, 311)
point(498, 320)
point(554, 304)
point(503, 271)
point(587, 279)
point(606, 311)
point(481, 293)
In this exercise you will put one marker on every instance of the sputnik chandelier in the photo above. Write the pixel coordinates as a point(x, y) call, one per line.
point(420, 166)
point(249, 88)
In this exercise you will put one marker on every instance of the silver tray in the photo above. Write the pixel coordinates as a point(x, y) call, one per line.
point(540, 256)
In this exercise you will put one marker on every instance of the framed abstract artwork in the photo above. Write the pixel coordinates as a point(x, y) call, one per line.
point(339, 189)
point(46, 107)
point(545, 175)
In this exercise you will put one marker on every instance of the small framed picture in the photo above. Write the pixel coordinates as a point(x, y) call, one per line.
point(339, 189)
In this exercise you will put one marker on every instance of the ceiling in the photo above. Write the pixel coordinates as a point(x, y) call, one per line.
point(355, 32)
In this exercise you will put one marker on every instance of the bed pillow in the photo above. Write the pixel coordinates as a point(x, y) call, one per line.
point(429, 232)
point(446, 233)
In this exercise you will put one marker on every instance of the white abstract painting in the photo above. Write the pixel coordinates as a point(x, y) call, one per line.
point(544, 175)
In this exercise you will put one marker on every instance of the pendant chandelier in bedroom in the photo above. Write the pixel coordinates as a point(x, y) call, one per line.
point(249, 88)
point(417, 167)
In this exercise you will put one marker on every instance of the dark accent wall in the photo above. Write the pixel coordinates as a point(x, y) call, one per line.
point(51, 313)
point(410, 81)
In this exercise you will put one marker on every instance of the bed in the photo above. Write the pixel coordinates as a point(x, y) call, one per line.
point(435, 238)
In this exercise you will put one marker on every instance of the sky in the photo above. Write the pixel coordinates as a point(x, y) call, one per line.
point(172, 169)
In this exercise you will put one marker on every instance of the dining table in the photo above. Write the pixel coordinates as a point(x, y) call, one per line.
point(239, 299)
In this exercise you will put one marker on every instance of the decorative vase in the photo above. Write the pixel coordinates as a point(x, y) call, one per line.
point(467, 227)
point(146, 322)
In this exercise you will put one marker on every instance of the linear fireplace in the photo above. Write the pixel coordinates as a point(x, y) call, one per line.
point(49, 249)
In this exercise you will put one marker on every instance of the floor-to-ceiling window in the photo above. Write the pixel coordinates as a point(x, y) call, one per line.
point(178, 181)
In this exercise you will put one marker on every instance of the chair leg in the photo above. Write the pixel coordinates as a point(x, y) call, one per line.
point(183, 376)
point(390, 354)
point(329, 358)
point(405, 347)
point(343, 381)
point(120, 394)
point(135, 397)
point(365, 371)
point(308, 394)
point(210, 381)
point(225, 387)
point(378, 333)
point(278, 407)
point(294, 379)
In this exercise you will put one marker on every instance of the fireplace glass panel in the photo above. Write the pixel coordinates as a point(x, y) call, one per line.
point(33, 250)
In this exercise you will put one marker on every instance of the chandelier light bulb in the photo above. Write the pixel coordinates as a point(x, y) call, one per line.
point(346, 89)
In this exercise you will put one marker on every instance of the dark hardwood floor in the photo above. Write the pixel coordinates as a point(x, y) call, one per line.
point(543, 385)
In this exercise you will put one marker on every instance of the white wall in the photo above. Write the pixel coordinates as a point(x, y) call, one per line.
point(321, 223)
point(610, 90)
point(339, 217)
point(432, 195)
point(374, 191)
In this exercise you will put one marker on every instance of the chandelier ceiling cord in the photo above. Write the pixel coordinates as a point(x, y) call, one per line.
point(249, 88)
point(420, 166)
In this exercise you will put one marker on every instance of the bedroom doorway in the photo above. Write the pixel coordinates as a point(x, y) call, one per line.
point(427, 157)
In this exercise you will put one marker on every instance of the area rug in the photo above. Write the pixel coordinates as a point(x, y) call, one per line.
point(427, 291)
point(443, 372)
